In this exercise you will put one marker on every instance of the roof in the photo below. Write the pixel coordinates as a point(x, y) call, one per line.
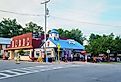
point(66, 44)
point(5, 40)
point(54, 31)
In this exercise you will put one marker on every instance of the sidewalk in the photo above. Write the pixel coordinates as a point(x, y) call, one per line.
point(61, 62)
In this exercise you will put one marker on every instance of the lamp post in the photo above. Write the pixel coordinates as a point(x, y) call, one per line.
point(108, 51)
point(46, 13)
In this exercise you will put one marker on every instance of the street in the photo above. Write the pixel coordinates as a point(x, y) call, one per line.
point(36, 72)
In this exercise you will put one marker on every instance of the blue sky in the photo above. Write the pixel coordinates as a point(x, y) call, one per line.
point(69, 14)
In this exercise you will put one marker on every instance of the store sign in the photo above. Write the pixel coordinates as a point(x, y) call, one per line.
point(35, 35)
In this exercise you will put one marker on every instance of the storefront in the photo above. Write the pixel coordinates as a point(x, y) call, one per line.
point(68, 47)
point(24, 42)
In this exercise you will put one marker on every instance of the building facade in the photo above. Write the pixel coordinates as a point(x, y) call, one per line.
point(68, 47)
point(4, 43)
point(25, 42)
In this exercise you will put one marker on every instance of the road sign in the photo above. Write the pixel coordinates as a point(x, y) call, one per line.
point(58, 46)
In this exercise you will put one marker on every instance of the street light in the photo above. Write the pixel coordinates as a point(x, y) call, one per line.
point(108, 51)
point(46, 13)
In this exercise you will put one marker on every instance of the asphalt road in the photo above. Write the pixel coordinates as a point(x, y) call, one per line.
point(35, 72)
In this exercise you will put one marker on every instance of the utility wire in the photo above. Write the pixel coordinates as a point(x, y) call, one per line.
point(83, 22)
point(56, 17)
point(21, 13)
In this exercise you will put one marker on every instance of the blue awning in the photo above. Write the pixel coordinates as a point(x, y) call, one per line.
point(5, 40)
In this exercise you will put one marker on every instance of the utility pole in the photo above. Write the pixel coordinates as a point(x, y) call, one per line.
point(46, 13)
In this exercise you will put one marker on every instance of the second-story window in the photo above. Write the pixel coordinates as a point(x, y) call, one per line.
point(19, 43)
point(28, 42)
point(24, 42)
point(12, 43)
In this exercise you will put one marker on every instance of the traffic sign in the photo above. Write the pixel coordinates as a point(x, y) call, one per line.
point(59, 46)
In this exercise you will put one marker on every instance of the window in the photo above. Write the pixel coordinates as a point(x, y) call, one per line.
point(0, 47)
point(28, 43)
point(19, 42)
point(16, 43)
point(49, 53)
point(12, 43)
point(48, 43)
point(27, 53)
point(37, 53)
point(24, 42)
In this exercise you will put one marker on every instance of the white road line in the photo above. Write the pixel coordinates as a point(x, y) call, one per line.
point(29, 70)
point(12, 72)
point(6, 75)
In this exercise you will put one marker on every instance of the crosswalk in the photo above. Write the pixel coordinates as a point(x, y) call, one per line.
point(28, 70)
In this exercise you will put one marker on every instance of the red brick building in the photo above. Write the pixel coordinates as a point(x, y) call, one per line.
point(27, 43)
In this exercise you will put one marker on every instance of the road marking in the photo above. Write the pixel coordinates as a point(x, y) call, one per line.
point(28, 70)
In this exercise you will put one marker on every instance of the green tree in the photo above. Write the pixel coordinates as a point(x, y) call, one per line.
point(10, 28)
point(33, 27)
point(100, 44)
point(117, 45)
point(75, 34)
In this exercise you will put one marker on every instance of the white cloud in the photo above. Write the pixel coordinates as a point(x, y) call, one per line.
point(76, 10)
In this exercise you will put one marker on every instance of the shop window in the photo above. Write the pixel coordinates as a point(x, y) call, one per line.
point(27, 53)
point(49, 53)
point(37, 53)
point(16, 54)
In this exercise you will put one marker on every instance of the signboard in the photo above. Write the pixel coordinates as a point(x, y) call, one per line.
point(58, 47)
point(35, 35)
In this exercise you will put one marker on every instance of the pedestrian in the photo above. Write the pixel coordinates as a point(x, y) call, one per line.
point(65, 58)
point(71, 57)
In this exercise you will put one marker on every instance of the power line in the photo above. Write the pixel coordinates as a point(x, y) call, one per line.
point(83, 22)
point(26, 14)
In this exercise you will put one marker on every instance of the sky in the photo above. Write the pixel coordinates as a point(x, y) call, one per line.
point(90, 16)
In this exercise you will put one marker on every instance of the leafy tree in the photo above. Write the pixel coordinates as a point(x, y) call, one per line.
point(75, 34)
point(100, 44)
point(10, 28)
point(33, 27)
point(117, 45)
